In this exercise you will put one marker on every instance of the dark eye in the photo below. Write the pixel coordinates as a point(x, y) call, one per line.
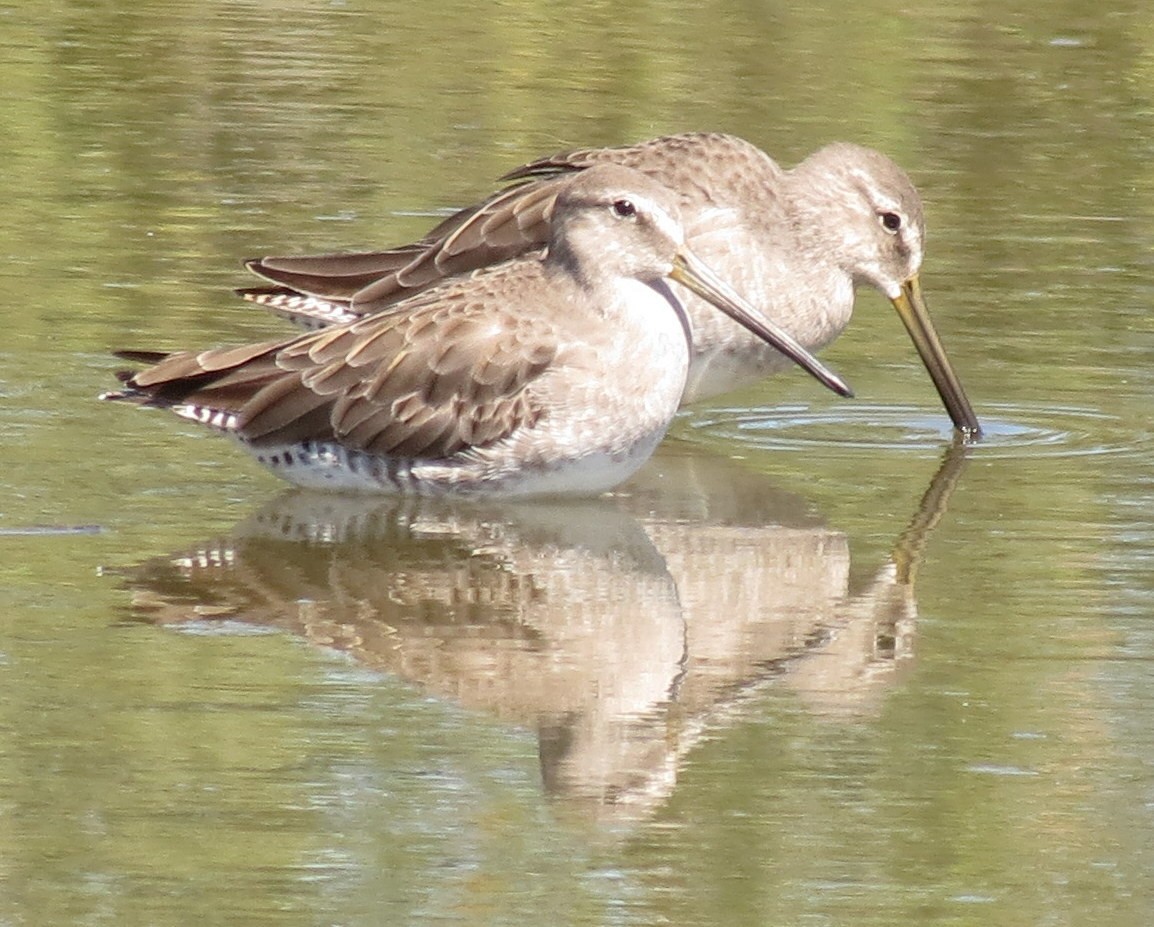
point(890, 221)
point(624, 209)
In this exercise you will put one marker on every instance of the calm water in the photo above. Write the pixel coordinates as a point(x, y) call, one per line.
point(809, 668)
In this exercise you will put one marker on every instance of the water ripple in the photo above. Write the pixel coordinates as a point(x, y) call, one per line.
point(1009, 430)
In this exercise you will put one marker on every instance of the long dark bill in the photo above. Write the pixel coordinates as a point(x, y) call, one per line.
point(696, 276)
point(916, 318)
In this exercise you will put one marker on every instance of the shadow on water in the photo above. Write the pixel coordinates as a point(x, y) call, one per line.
point(621, 629)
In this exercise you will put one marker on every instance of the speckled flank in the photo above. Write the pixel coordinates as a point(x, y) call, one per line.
point(327, 466)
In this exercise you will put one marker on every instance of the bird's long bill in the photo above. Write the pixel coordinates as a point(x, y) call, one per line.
point(916, 318)
point(696, 276)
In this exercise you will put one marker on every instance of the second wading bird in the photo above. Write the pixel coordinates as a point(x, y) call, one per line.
point(554, 372)
point(795, 243)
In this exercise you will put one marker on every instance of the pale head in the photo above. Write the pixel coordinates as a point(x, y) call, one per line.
point(612, 222)
point(860, 211)
point(855, 209)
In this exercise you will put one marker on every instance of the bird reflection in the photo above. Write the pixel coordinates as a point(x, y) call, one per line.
point(621, 628)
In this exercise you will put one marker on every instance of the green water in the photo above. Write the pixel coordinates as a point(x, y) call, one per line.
point(806, 669)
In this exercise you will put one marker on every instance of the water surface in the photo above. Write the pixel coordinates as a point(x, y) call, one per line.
point(809, 667)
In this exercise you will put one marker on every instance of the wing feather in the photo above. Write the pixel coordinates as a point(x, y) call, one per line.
point(449, 374)
point(510, 222)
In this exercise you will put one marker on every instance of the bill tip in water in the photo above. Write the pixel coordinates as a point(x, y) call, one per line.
point(839, 386)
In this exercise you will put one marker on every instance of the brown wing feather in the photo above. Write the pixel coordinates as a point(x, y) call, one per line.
point(333, 276)
point(564, 162)
point(510, 222)
point(447, 374)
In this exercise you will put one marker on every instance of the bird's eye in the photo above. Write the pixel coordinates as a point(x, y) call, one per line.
point(624, 209)
point(890, 221)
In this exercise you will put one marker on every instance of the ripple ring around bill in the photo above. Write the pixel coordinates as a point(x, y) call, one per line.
point(1009, 430)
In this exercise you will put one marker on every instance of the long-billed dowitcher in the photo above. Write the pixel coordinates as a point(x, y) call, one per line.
point(553, 372)
point(795, 243)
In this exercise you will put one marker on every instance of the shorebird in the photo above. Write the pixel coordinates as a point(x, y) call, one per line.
point(795, 243)
point(558, 371)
